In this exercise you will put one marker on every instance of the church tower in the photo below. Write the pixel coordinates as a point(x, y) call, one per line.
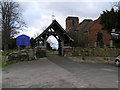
point(71, 23)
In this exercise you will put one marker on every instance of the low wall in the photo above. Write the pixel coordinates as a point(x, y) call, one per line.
point(99, 52)
point(67, 51)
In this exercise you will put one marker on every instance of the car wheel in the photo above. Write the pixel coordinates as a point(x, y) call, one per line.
point(117, 63)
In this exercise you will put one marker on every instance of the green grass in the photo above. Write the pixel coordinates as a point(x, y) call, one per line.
point(0, 64)
point(2, 61)
point(48, 51)
point(5, 52)
point(3, 55)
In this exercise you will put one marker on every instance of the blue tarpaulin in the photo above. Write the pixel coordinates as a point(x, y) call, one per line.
point(23, 40)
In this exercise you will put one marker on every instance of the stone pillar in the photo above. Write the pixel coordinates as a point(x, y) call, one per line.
point(95, 44)
point(44, 42)
point(62, 44)
point(61, 48)
point(37, 41)
point(19, 50)
point(111, 43)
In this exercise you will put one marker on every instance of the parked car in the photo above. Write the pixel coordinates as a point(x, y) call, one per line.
point(117, 61)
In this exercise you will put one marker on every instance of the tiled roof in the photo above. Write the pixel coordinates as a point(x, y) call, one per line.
point(85, 25)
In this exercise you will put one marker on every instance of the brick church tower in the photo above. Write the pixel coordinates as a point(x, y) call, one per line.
point(71, 23)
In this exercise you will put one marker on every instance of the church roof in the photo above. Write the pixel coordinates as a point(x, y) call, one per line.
point(85, 25)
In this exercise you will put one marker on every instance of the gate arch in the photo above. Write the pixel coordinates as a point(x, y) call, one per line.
point(59, 33)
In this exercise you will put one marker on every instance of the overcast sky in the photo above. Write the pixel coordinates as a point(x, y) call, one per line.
point(38, 15)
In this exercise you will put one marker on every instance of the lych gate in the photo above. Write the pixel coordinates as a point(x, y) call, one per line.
point(59, 33)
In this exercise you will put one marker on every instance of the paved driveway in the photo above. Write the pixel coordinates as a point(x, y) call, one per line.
point(59, 72)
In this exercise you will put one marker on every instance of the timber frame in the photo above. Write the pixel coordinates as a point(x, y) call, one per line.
point(59, 33)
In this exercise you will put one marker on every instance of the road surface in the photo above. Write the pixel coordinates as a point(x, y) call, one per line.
point(59, 72)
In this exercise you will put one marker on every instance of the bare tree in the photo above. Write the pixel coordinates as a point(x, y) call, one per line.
point(38, 33)
point(11, 20)
point(117, 4)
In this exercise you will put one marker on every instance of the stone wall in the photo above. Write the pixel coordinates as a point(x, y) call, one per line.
point(67, 51)
point(27, 54)
point(99, 52)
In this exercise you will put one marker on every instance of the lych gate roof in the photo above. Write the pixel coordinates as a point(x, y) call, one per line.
point(54, 29)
